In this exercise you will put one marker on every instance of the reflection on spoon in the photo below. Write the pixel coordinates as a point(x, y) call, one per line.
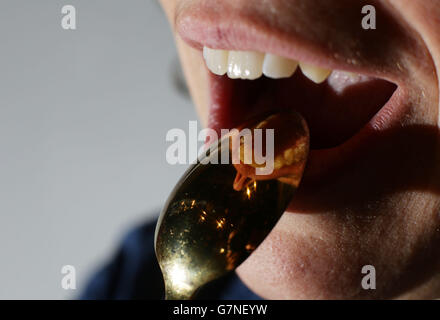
point(218, 214)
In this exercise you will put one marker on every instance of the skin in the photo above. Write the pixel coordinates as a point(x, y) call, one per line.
point(384, 208)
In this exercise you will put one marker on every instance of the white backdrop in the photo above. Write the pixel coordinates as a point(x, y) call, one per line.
point(83, 119)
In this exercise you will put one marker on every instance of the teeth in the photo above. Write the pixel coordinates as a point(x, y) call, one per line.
point(277, 67)
point(314, 73)
point(252, 65)
point(216, 60)
point(245, 65)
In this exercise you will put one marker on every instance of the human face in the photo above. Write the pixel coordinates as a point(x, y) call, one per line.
point(371, 191)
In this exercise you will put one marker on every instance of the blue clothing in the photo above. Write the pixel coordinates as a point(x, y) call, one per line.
point(133, 273)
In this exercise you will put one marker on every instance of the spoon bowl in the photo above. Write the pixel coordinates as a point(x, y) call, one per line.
point(208, 228)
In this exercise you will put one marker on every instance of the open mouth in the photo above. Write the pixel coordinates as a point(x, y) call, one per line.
point(335, 104)
point(347, 95)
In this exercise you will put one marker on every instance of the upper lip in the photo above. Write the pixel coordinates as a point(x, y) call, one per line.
point(371, 53)
point(240, 30)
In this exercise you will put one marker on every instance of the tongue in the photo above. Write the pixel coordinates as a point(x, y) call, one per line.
point(339, 108)
point(334, 110)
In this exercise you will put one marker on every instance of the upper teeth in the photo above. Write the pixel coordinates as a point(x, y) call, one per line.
point(314, 73)
point(277, 67)
point(245, 65)
point(252, 65)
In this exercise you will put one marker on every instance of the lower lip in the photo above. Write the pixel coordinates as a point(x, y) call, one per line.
point(326, 164)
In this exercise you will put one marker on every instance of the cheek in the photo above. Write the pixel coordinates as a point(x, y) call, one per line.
point(192, 64)
point(169, 7)
point(290, 265)
point(321, 256)
point(197, 78)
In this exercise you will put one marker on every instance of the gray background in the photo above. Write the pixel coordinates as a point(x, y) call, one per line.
point(83, 119)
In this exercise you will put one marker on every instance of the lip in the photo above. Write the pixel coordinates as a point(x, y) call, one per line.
point(203, 26)
point(222, 26)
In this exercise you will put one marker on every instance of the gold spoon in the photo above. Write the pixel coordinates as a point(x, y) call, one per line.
point(218, 214)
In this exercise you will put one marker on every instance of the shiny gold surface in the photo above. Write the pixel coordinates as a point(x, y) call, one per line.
point(207, 228)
